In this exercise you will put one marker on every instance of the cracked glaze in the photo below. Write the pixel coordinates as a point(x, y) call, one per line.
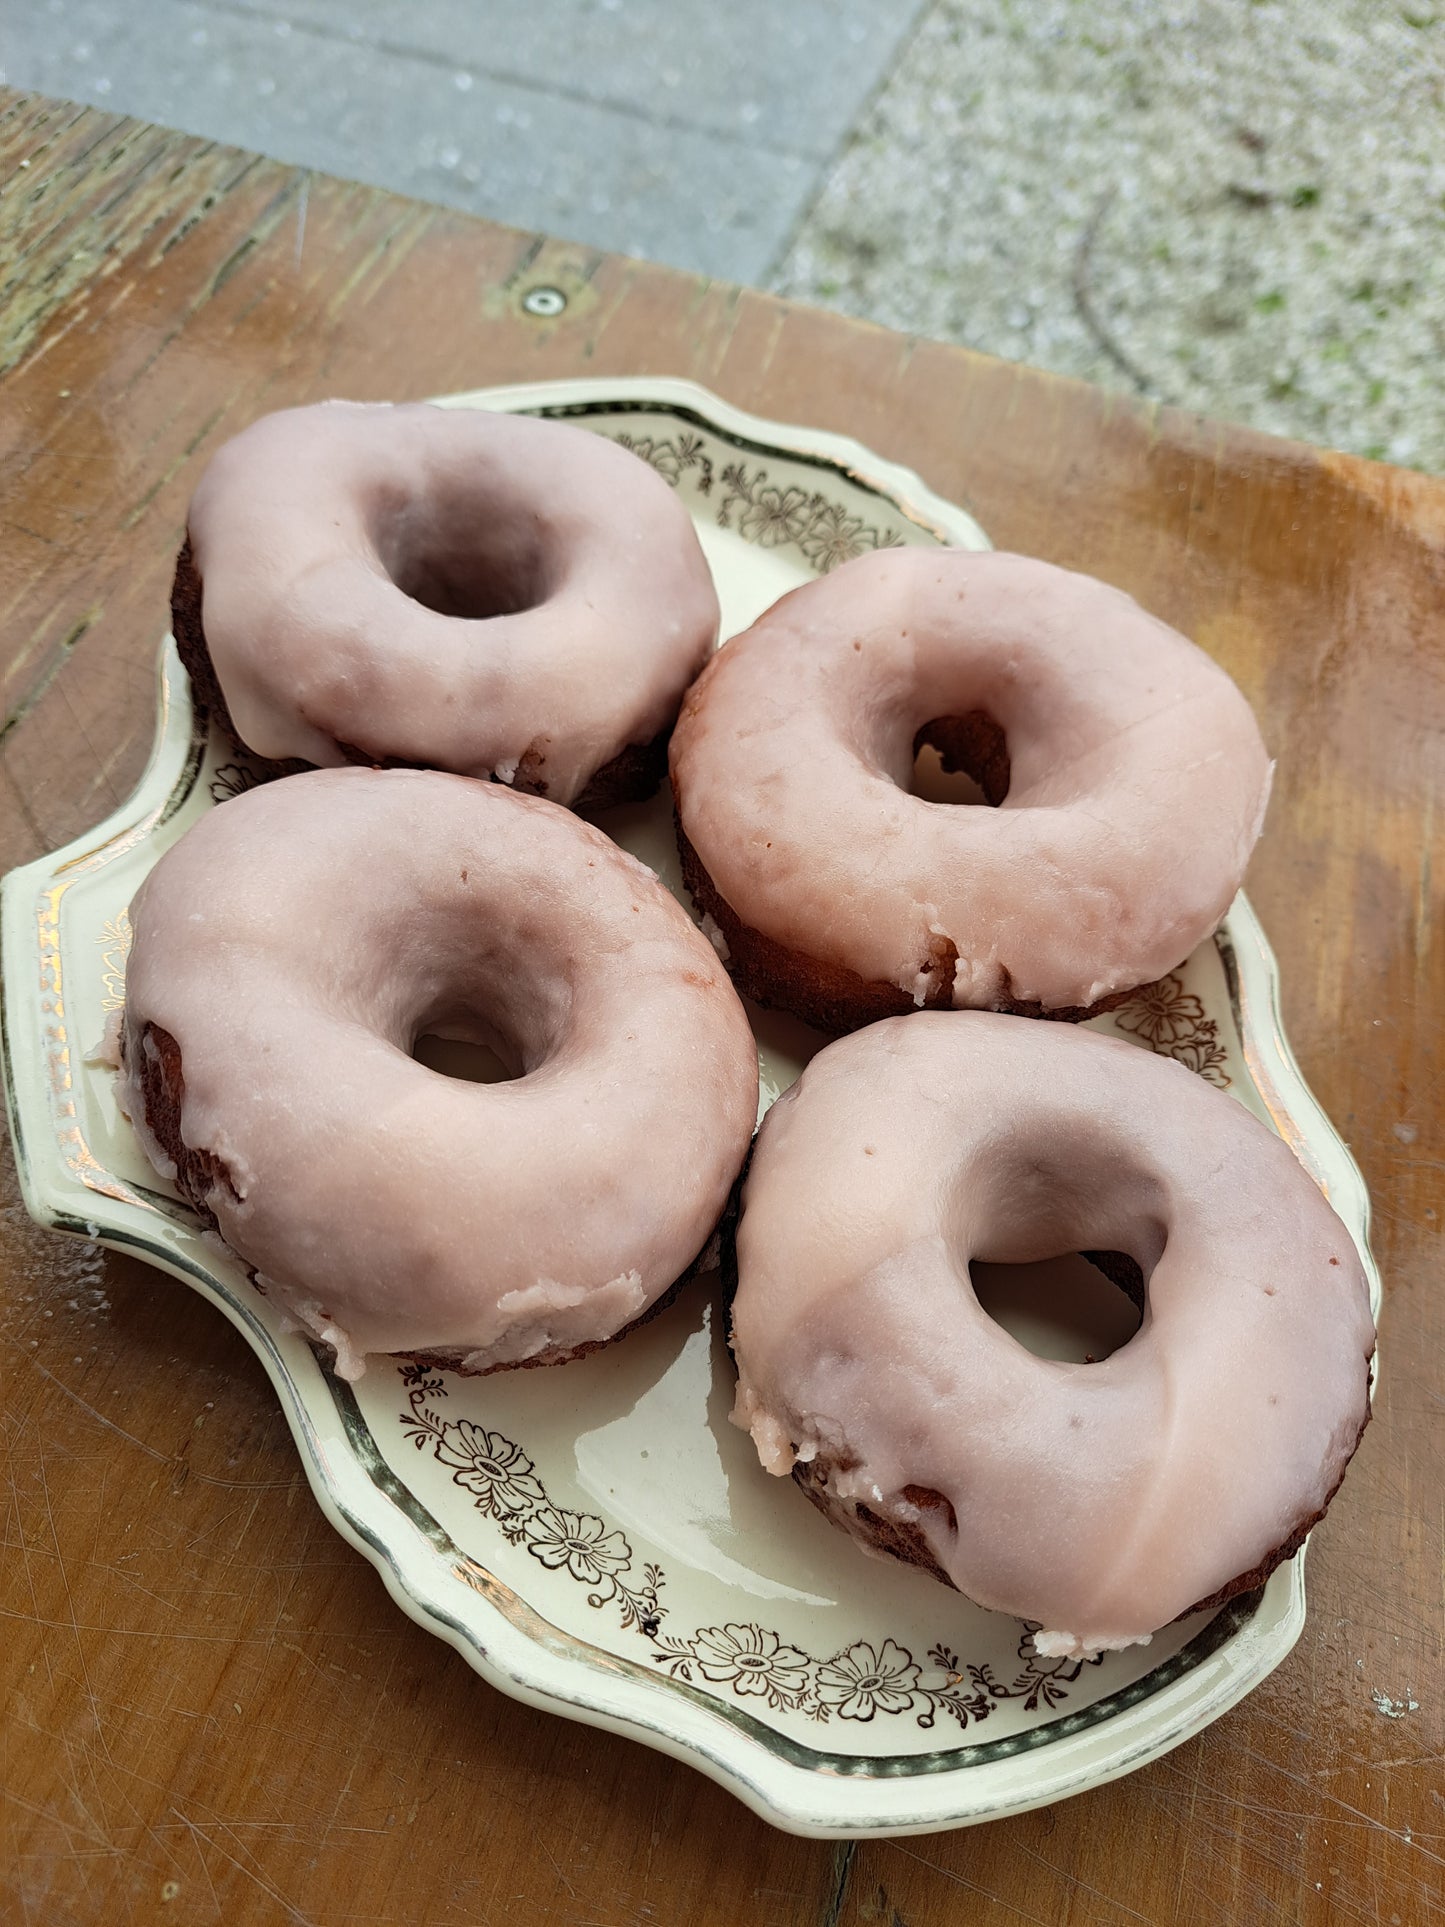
point(1101, 1500)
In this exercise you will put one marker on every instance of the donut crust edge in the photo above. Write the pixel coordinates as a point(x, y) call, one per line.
point(199, 1172)
point(828, 995)
point(631, 776)
point(901, 1540)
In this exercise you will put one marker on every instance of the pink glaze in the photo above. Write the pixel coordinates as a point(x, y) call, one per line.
point(298, 940)
point(1101, 1500)
point(1137, 789)
point(570, 604)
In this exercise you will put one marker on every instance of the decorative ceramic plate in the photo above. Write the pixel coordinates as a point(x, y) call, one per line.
point(598, 1539)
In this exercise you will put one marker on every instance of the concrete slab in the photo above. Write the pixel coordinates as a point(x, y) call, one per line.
point(1236, 207)
point(793, 76)
point(691, 136)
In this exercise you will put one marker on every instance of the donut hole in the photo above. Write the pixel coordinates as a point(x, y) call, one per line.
point(457, 563)
point(486, 1026)
point(467, 585)
point(937, 784)
point(1075, 1307)
point(961, 760)
point(464, 1058)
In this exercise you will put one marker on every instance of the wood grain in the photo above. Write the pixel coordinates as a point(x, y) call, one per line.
point(213, 1711)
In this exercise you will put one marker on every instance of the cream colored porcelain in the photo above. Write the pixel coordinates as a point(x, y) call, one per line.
point(616, 1554)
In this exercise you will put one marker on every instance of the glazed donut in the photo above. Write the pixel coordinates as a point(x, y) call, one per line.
point(1128, 773)
point(288, 952)
point(1100, 1500)
point(444, 587)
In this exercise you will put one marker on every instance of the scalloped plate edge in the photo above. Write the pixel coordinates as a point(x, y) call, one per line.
point(541, 1667)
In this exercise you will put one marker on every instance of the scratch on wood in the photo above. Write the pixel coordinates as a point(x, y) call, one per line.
point(1424, 907)
point(57, 662)
point(1384, 1766)
point(84, 734)
point(199, 1833)
point(1074, 1880)
point(531, 249)
point(557, 1869)
point(49, 270)
point(1357, 1815)
point(775, 336)
point(843, 1856)
point(229, 266)
point(70, 1608)
point(611, 307)
point(365, 268)
point(99, 1417)
point(38, 840)
point(133, 515)
point(302, 202)
point(969, 1886)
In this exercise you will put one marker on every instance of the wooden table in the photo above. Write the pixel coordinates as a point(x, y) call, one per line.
point(212, 1711)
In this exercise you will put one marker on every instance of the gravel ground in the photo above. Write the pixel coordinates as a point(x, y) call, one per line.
point(1236, 207)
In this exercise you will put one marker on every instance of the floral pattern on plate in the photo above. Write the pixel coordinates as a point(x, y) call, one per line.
point(611, 1550)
